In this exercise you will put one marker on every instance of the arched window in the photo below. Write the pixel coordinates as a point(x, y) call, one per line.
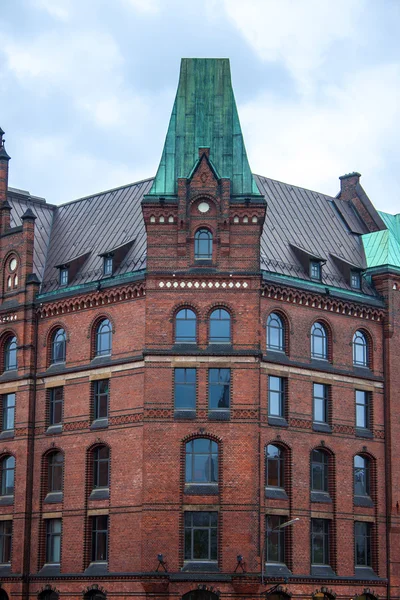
point(10, 354)
point(275, 333)
point(360, 350)
point(203, 245)
point(220, 326)
point(319, 471)
point(94, 595)
point(319, 342)
point(48, 595)
point(55, 472)
point(362, 476)
point(201, 461)
point(58, 346)
point(7, 476)
point(274, 466)
point(103, 338)
point(185, 326)
point(101, 467)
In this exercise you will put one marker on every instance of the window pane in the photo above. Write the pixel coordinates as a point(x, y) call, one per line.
point(185, 326)
point(219, 389)
point(220, 326)
point(274, 333)
point(185, 389)
point(275, 396)
point(8, 411)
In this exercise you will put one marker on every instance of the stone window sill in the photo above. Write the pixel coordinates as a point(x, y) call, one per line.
point(321, 497)
point(201, 489)
point(54, 429)
point(7, 434)
point(278, 493)
point(219, 415)
point(277, 421)
point(183, 414)
point(323, 427)
point(100, 494)
point(53, 498)
point(100, 423)
point(364, 433)
point(6, 500)
point(363, 501)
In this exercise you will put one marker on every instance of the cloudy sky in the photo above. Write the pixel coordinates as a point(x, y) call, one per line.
point(87, 87)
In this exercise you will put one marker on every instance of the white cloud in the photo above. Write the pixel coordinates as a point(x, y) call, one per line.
point(144, 6)
point(59, 9)
point(308, 142)
point(298, 34)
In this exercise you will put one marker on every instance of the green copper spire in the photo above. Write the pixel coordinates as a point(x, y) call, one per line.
point(204, 116)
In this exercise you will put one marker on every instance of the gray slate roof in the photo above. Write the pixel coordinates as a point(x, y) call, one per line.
point(298, 221)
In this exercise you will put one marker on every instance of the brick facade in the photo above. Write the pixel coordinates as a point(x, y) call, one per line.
point(147, 496)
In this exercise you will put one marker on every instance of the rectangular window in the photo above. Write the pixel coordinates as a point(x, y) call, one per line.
point(320, 402)
point(355, 280)
point(185, 389)
point(8, 403)
point(99, 538)
point(362, 543)
point(276, 396)
point(219, 384)
point(63, 276)
point(56, 405)
point(201, 536)
point(320, 541)
point(275, 539)
point(5, 541)
point(315, 269)
point(53, 541)
point(362, 409)
point(101, 390)
point(108, 265)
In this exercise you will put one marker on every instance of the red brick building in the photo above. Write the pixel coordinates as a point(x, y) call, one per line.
point(188, 364)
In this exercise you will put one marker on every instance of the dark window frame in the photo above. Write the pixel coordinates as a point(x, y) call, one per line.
point(363, 537)
point(203, 244)
point(219, 388)
point(6, 528)
point(55, 472)
point(52, 536)
point(270, 463)
point(365, 409)
point(277, 329)
point(56, 405)
point(316, 270)
point(64, 272)
point(316, 338)
point(275, 542)
point(324, 536)
point(320, 465)
point(58, 347)
point(193, 531)
point(355, 280)
point(10, 354)
point(98, 399)
point(183, 317)
point(7, 409)
point(217, 317)
point(100, 334)
point(280, 393)
point(108, 265)
point(323, 400)
point(97, 462)
point(99, 535)
point(192, 454)
point(188, 388)
point(362, 476)
point(363, 347)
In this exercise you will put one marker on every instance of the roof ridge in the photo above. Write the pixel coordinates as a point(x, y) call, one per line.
point(93, 196)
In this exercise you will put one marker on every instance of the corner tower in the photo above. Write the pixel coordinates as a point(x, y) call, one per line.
point(204, 210)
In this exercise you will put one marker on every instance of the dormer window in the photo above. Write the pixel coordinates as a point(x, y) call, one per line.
point(108, 265)
point(63, 275)
point(355, 280)
point(315, 270)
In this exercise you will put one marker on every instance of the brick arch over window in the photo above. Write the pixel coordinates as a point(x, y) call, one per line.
point(45, 469)
point(49, 336)
point(175, 329)
point(287, 457)
point(324, 594)
point(94, 592)
point(200, 595)
point(5, 338)
point(331, 462)
point(373, 473)
point(195, 436)
point(287, 327)
point(93, 327)
point(370, 345)
point(90, 452)
point(329, 336)
point(48, 594)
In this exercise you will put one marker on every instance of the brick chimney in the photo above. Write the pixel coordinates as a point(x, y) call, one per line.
point(5, 208)
point(348, 185)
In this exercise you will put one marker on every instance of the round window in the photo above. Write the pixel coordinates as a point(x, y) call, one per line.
point(204, 207)
point(13, 264)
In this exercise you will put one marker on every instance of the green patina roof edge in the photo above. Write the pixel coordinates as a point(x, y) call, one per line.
point(321, 288)
point(382, 248)
point(204, 115)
